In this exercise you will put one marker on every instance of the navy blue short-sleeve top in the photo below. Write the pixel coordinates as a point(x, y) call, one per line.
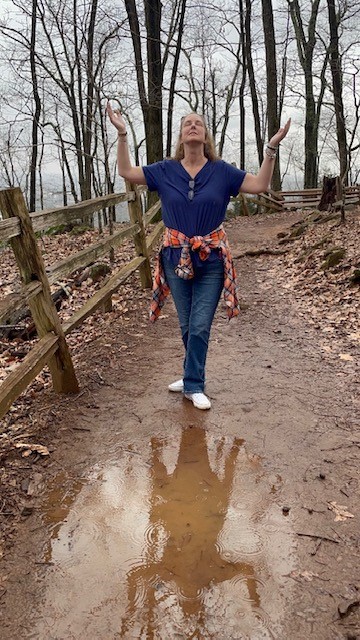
point(213, 186)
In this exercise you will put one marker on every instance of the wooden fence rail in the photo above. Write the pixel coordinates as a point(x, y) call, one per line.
point(310, 198)
point(277, 201)
point(18, 227)
point(272, 201)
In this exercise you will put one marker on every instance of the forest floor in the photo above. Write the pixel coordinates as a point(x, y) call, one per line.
point(127, 513)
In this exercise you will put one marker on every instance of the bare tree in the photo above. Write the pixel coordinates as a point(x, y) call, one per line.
point(210, 82)
point(37, 109)
point(14, 164)
point(180, 20)
point(272, 84)
point(242, 113)
point(354, 139)
point(150, 96)
point(252, 82)
point(336, 72)
point(306, 42)
point(62, 47)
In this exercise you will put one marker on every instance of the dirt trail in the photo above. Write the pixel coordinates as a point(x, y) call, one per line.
point(155, 520)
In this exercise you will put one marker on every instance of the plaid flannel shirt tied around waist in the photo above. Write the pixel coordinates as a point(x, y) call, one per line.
point(217, 239)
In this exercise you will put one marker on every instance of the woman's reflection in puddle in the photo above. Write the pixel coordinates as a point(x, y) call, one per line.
point(183, 561)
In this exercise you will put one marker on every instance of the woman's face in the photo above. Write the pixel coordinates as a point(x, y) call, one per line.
point(193, 129)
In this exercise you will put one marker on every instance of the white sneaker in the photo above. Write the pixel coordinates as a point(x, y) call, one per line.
point(199, 400)
point(177, 387)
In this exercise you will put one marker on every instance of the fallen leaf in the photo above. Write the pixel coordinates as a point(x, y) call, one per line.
point(345, 356)
point(30, 448)
point(341, 512)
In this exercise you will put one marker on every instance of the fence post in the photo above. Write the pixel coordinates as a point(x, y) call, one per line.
point(135, 215)
point(31, 267)
point(340, 197)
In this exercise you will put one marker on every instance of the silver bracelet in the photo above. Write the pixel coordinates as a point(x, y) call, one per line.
point(269, 153)
point(122, 135)
point(272, 148)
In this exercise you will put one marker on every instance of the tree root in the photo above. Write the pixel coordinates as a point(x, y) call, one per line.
point(261, 252)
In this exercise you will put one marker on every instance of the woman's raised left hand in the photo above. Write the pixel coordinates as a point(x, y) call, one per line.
point(116, 118)
point(280, 135)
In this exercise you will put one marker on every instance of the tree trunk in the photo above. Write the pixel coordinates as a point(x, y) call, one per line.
point(89, 118)
point(173, 78)
point(311, 133)
point(336, 72)
point(37, 112)
point(251, 72)
point(271, 82)
point(154, 124)
point(242, 86)
point(328, 195)
point(229, 100)
point(305, 48)
point(151, 102)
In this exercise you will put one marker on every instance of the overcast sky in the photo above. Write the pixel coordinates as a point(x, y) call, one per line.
point(295, 137)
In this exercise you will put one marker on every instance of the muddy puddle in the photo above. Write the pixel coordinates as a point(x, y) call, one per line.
point(181, 537)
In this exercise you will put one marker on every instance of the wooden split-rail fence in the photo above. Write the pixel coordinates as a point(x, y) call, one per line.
point(19, 228)
point(273, 201)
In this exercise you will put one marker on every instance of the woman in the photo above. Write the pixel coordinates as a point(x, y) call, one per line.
point(195, 262)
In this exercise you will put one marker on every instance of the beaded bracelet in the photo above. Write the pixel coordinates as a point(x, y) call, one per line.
point(269, 153)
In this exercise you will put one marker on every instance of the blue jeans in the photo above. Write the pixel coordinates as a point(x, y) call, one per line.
point(196, 301)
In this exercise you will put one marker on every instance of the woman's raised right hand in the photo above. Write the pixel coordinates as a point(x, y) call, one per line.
point(116, 118)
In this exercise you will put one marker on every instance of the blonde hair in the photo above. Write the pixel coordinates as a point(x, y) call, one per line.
point(209, 146)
